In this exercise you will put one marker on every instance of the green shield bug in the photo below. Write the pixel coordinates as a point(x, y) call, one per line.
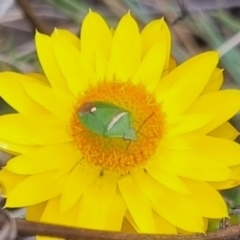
point(107, 120)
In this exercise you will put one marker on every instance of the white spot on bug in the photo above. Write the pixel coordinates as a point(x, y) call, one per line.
point(115, 119)
point(93, 109)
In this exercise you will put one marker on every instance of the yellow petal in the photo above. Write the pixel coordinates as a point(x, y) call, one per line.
point(156, 31)
point(56, 103)
point(101, 66)
point(226, 130)
point(8, 180)
point(33, 129)
point(223, 105)
point(34, 212)
point(218, 150)
point(172, 64)
point(207, 199)
point(76, 70)
point(126, 49)
point(180, 217)
point(192, 74)
point(152, 65)
point(14, 94)
point(225, 184)
point(66, 36)
point(116, 214)
point(68, 165)
point(186, 215)
point(215, 82)
point(176, 142)
point(169, 180)
point(188, 123)
point(95, 37)
point(221, 150)
point(14, 149)
point(138, 204)
point(127, 227)
point(180, 162)
point(47, 238)
point(53, 101)
point(35, 189)
point(80, 178)
point(48, 62)
point(39, 77)
point(151, 34)
point(162, 226)
point(200, 171)
point(96, 201)
point(236, 169)
point(52, 214)
point(166, 34)
point(184, 232)
point(47, 158)
point(205, 224)
point(133, 227)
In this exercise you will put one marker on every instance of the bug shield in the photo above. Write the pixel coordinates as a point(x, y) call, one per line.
point(107, 120)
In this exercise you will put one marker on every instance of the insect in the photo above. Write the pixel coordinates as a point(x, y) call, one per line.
point(107, 120)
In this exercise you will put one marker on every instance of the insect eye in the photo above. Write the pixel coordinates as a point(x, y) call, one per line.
point(85, 108)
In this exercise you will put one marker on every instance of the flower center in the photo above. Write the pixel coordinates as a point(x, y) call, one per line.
point(118, 153)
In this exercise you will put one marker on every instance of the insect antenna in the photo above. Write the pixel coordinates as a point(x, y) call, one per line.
point(140, 150)
point(145, 121)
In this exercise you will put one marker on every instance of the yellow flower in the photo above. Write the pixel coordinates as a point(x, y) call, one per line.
point(165, 181)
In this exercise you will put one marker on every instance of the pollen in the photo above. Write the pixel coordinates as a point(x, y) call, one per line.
point(117, 154)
